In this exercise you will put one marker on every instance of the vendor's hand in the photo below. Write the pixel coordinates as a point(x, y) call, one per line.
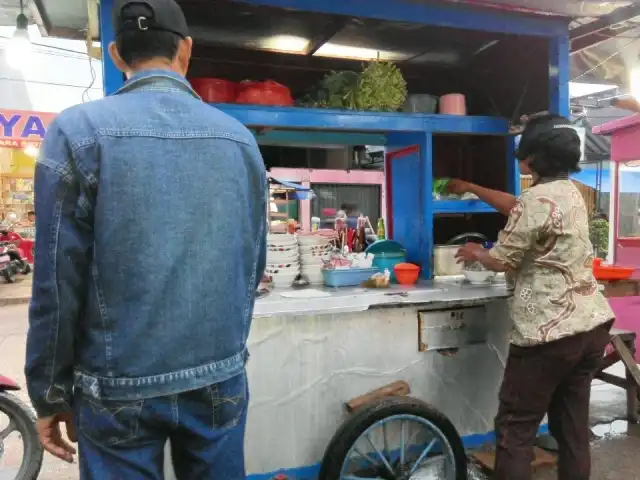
point(468, 252)
point(458, 187)
point(51, 435)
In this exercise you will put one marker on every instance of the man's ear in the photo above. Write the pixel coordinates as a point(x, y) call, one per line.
point(117, 59)
point(183, 55)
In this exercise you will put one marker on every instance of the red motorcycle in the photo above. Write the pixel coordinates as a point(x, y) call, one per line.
point(18, 424)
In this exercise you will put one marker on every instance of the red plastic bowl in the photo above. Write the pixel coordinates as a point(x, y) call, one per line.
point(264, 93)
point(215, 90)
point(407, 273)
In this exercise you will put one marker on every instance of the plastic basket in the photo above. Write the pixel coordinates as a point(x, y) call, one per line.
point(347, 277)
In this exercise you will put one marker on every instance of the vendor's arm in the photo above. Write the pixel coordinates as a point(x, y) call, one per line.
point(501, 201)
point(521, 232)
point(62, 255)
point(514, 242)
point(473, 252)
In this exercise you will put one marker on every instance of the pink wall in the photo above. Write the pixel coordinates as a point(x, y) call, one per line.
point(627, 310)
point(624, 137)
point(627, 254)
point(352, 177)
point(625, 147)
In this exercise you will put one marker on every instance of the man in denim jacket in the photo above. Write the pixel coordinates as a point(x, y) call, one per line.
point(151, 243)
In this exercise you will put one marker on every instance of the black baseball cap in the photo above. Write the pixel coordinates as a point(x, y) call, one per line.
point(540, 130)
point(143, 15)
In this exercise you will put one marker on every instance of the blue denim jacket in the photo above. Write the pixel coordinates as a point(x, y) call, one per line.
point(151, 238)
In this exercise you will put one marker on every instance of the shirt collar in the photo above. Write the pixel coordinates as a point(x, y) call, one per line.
point(542, 180)
point(157, 79)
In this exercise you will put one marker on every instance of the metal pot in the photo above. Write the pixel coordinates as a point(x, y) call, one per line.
point(444, 256)
point(444, 260)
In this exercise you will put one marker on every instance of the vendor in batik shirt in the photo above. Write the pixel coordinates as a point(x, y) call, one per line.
point(560, 319)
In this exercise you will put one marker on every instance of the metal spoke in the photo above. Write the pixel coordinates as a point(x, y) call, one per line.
point(385, 440)
point(10, 428)
point(422, 456)
point(382, 457)
point(402, 445)
point(365, 456)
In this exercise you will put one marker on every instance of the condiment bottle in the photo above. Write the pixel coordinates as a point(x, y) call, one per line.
point(381, 232)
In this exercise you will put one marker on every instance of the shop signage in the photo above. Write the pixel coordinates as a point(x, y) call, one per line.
point(20, 129)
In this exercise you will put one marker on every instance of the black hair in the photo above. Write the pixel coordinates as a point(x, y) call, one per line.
point(136, 46)
point(553, 148)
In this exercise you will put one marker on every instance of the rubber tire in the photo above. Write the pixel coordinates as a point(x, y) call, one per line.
point(360, 421)
point(8, 276)
point(11, 406)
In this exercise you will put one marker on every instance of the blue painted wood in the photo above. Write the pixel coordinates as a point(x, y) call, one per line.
point(112, 78)
point(461, 206)
point(407, 177)
point(475, 125)
point(322, 119)
point(359, 121)
point(513, 170)
point(559, 75)
point(440, 14)
point(427, 208)
point(318, 138)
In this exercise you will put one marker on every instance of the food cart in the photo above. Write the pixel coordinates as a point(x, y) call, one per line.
point(311, 355)
point(624, 246)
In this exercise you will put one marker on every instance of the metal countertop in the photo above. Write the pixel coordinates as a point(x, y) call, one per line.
point(440, 293)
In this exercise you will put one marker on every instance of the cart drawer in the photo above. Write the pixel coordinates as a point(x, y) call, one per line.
point(447, 329)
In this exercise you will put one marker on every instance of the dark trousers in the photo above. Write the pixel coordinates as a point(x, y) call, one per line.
point(553, 378)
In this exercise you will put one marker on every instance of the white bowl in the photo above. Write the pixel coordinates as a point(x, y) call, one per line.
point(281, 240)
point(314, 248)
point(312, 240)
point(283, 268)
point(280, 257)
point(479, 277)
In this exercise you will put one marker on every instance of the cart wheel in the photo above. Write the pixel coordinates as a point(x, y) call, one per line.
point(399, 438)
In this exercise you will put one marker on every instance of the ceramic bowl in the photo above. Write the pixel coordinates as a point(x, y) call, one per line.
point(478, 277)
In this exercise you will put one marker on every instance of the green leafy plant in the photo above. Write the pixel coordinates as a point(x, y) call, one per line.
point(336, 90)
point(599, 236)
point(440, 186)
point(381, 87)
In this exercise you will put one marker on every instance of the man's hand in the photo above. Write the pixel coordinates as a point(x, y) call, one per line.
point(468, 252)
point(458, 187)
point(51, 435)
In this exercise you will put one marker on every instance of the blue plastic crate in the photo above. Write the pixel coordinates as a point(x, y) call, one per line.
point(350, 277)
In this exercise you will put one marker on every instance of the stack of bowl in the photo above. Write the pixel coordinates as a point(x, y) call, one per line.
point(283, 259)
point(314, 249)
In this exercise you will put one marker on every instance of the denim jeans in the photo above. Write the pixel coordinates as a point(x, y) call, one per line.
point(125, 440)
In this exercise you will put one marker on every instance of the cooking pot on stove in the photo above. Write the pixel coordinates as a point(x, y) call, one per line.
point(444, 256)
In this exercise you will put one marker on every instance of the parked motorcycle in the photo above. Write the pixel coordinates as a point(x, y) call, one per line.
point(17, 423)
point(11, 262)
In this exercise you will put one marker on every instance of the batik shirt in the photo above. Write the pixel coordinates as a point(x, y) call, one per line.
point(546, 248)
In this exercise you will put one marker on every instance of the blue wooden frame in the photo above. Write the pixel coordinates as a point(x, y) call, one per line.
point(112, 78)
point(396, 126)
